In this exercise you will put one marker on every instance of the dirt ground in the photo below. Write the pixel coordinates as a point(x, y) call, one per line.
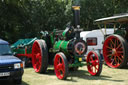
point(108, 76)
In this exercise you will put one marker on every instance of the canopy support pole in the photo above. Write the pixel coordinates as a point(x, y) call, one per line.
point(105, 29)
point(101, 29)
point(114, 27)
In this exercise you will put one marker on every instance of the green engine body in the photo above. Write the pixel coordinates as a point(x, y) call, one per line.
point(61, 45)
point(66, 42)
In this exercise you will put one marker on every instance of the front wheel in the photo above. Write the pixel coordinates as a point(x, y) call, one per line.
point(61, 66)
point(94, 63)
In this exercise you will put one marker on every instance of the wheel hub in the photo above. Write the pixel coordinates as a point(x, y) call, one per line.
point(93, 63)
point(113, 51)
point(59, 67)
point(37, 56)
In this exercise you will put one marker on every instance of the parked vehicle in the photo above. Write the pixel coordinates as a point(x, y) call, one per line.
point(23, 47)
point(115, 48)
point(95, 39)
point(62, 48)
point(11, 67)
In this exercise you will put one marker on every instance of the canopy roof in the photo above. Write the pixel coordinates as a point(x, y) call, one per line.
point(113, 19)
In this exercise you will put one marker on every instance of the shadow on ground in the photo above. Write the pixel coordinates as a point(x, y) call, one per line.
point(50, 72)
point(83, 74)
point(7, 82)
point(125, 67)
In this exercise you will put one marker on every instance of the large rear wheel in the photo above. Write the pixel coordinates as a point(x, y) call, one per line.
point(115, 51)
point(94, 63)
point(39, 56)
point(61, 66)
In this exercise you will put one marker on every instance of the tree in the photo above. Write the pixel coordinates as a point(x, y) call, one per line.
point(26, 18)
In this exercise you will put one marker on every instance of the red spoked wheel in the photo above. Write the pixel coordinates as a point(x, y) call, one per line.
point(94, 63)
point(39, 56)
point(61, 66)
point(114, 51)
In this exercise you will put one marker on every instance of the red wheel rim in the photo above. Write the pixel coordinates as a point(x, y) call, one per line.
point(36, 56)
point(113, 51)
point(93, 63)
point(59, 66)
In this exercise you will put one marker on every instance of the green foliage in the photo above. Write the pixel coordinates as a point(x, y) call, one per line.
point(26, 18)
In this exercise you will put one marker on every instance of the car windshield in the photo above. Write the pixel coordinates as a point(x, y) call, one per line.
point(5, 50)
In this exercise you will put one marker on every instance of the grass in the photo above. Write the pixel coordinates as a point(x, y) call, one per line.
point(108, 76)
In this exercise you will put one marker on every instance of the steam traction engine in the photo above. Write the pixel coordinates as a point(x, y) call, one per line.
point(115, 49)
point(63, 49)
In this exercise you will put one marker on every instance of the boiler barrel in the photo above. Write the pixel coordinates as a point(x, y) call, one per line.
point(61, 45)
